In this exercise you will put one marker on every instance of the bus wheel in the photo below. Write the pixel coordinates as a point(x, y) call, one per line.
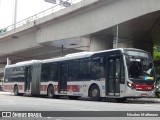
point(94, 93)
point(121, 100)
point(50, 91)
point(16, 90)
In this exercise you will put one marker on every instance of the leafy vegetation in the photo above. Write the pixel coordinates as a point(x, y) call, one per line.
point(156, 55)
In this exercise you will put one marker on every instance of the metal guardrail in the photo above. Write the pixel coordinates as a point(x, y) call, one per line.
point(2, 31)
point(42, 14)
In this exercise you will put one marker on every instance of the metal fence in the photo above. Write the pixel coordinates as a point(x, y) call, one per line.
point(42, 14)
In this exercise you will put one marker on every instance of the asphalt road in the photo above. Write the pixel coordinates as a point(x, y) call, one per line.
point(9, 102)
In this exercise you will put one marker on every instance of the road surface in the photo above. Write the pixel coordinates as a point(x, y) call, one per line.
point(9, 102)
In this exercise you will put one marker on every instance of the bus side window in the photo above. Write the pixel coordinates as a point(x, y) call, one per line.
point(73, 69)
point(7, 76)
point(97, 68)
point(45, 72)
point(54, 72)
point(84, 71)
point(49, 72)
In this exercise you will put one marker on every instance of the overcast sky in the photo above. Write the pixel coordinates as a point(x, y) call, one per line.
point(25, 9)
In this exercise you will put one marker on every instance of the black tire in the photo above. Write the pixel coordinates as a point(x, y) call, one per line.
point(50, 91)
point(94, 93)
point(121, 100)
point(16, 93)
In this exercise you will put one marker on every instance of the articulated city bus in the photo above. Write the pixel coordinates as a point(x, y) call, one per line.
point(118, 73)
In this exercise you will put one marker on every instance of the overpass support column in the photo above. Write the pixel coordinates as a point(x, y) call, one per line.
point(101, 42)
point(146, 44)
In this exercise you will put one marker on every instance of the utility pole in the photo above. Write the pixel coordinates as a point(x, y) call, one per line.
point(62, 51)
point(62, 43)
point(8, 61)
point(15, 13)
point(117, 36)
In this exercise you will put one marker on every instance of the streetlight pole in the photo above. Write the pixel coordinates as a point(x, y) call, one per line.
point(117, 30)
point(15, 13)
point(62, 51)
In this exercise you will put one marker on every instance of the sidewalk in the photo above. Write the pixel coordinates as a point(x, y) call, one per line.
point(3, 92)
point(155, 99)
point(147, 100)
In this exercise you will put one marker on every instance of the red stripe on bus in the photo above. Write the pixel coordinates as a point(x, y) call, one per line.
point(43, 88)
point(8, 87)
point(56, 88)
point(20, 87)
point(73, 88)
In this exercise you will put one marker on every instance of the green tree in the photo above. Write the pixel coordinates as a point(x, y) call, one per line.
point(156, 55)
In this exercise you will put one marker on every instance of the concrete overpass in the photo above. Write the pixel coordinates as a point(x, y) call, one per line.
point(87, 26)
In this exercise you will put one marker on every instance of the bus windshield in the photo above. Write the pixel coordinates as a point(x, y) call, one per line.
point(140, 67)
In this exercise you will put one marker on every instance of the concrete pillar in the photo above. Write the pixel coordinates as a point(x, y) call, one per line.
point(101, 42)
point(123, 43)
point(146, 44)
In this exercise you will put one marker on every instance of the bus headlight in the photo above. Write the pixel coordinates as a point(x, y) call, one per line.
point(131, 85)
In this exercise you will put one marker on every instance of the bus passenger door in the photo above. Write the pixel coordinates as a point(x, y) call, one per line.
point(113, 76)
point(62, 82)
